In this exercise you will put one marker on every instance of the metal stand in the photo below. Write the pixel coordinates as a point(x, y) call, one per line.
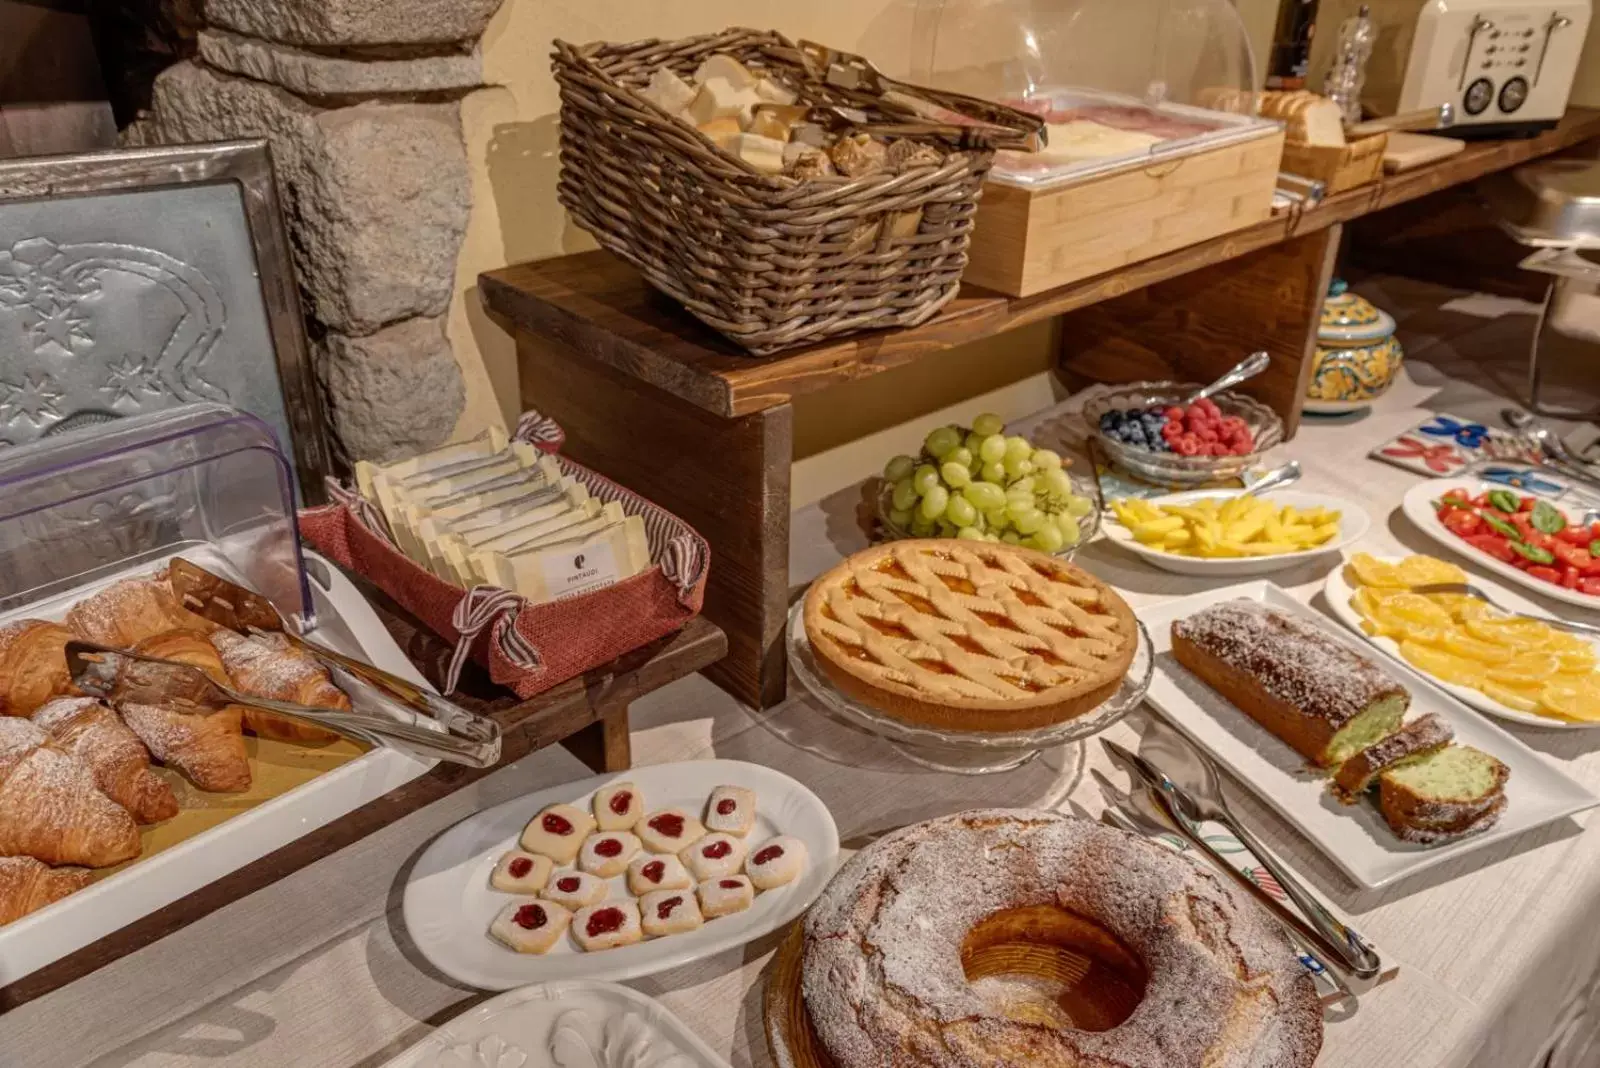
point(1558, 288)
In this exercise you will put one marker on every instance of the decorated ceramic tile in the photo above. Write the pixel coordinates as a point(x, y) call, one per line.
point(1445, 444)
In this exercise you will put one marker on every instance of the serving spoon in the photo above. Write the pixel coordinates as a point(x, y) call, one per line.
point(1248, 367)
point(1471, 590)
point(1277, 478)
point(1556, 453)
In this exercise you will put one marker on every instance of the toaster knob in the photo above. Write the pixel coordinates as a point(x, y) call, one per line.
point(1513, 94)
point(1478, 96)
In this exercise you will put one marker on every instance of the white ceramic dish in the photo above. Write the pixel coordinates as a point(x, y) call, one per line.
point(1353, 523)
point(448, 903)
point(1337, 407)
point(1418, 507)
point(1338, 591)
point(347, 624)
point(1355, 837)
point(575, 1023)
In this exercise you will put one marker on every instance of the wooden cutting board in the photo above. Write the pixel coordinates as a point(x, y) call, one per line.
point(1408, 150)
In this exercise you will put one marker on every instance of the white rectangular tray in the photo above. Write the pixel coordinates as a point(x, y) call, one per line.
point(347, 624)
point(1355, 837)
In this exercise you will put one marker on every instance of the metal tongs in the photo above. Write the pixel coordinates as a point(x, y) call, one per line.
point(227, 604)
point(119, 677)
point(926, 115)
point(1355, 963)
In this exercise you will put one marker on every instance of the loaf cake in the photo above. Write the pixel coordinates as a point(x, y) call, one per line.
point(1424, 735)
point(1319, 696)
point(1455, 791)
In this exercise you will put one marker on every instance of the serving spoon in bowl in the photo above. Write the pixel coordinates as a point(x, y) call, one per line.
point(1248, 367)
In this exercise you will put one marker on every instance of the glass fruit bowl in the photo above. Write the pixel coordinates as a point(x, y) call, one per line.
point(977, 483)
point(1170, 468)
point(964, 752)
point(1088, 524)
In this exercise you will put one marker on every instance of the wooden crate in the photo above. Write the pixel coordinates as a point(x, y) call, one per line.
point(1028, 241)
point(1337, 168)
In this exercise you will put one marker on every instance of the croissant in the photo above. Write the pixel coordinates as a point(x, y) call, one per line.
point(97, 736)
point(127, 612)
point(33, 665)
point(208, 749)
point(27, 885)
point(269, 666)
point(50, 808)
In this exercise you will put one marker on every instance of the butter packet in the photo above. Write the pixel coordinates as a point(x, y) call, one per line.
point(522, 470)
point(574, 566)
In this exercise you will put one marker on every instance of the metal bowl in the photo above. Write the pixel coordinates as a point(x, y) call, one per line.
point(1168, 468)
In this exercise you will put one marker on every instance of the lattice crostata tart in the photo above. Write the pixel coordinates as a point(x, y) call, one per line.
point(969, 636)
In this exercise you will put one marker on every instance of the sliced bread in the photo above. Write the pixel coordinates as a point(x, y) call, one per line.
point(1448, 793)
point(1423, 735)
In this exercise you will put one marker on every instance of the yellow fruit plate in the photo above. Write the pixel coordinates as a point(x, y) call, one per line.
point(1501, 668)
point(1352, 524)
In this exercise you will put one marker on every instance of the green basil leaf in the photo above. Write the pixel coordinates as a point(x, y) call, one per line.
point(1504, 500)
point(1547, 518)
point(1594, 547)
point(1533, 554)
point(1503, 527)
point(1452, 502)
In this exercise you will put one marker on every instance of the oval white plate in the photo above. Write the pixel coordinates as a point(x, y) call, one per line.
point(1353, 523)
point(575, 1022)
point(1338, 591)
point(448, 904)
point(1418, 507)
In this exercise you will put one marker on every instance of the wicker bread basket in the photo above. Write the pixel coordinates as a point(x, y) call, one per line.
point(769, 261)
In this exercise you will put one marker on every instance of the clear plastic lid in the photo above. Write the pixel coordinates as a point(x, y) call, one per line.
point(1117, 81)
point(204, 480)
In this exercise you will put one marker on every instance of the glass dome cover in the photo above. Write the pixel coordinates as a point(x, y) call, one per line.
point(1119, 82)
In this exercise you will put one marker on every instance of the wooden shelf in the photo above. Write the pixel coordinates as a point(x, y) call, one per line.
point(597, 305)
point(589, 714)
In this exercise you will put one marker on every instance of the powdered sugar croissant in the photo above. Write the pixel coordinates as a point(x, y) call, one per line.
point(208, 749)
point(269, 666)
point(27, 885)
point(33, 665)
point(97, 736)
point(50, 807)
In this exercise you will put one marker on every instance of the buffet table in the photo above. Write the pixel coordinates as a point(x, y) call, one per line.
point(1497, 951)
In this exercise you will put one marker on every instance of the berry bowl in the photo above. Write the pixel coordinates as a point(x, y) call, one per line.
point(1178, 457)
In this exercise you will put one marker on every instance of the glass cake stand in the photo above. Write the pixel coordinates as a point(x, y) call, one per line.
point(965, 752)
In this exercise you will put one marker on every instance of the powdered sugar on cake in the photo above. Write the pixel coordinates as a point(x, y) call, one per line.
point(1295, 662)
point(884, 983)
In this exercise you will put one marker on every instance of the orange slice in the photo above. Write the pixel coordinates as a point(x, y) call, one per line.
point(1442, 665)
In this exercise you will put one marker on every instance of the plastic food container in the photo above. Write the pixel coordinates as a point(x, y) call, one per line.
point(113, 500)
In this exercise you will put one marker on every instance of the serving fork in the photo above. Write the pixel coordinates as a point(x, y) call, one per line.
point(1481, 594)
point(1339, 945)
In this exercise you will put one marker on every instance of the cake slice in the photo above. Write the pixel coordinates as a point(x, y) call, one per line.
point(1318, 695)
point(1424, 735)
point(1455, 791)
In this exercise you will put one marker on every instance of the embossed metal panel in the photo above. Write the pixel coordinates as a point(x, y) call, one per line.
point(117, 303)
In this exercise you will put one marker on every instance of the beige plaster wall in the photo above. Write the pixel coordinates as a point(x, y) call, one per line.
point(511, 135)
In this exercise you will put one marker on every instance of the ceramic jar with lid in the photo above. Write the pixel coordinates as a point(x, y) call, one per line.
point(1357, 356)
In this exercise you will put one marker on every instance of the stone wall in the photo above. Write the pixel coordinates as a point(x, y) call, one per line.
point(360, 101)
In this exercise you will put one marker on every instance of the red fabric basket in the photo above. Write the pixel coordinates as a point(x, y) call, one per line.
point(567, 637)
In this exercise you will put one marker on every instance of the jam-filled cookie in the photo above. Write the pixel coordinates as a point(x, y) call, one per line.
point(649, 872)
point(618, 807)
point(669, 831)
point(519, 872)
point(714, 856)
point(775, 862)
point(665, 912)
point(530, 926)
point(607, 925)
point(606, 853)
point(731, 810)
point(729, 894)
point(575, 889)
point(557, 832)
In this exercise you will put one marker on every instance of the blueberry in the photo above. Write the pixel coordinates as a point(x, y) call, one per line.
point(1107, 420)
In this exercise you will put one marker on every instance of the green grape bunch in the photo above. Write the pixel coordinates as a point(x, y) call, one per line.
point(980, 485)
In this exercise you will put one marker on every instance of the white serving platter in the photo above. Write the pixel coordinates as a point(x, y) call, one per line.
point(1353, 523)
point(448, 903)
point(1418, 507)
point(1354, 837)
point(347, 624)
point(1338, 591)
point(576, 1023)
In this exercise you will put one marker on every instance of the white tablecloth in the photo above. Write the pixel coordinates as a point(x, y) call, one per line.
point(1499, 952)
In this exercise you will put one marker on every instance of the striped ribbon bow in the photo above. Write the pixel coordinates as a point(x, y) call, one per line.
point(538, 429)
point(489, 606)
point(365, 511)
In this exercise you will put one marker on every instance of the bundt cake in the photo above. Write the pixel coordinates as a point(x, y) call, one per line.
point(885, 985)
